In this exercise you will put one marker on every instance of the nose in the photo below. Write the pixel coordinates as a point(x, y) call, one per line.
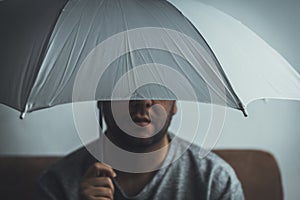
point(141, 106)
point(147, 103)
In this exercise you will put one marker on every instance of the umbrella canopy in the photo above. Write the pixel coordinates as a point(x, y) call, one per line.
point(113, 49)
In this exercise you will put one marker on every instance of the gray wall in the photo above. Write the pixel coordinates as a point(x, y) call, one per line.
point(272, 125)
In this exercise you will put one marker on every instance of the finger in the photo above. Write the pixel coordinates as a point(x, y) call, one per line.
point(98, 182)
point(96, 198)
point(98, 192)
point(101, 198)
point(99, 168)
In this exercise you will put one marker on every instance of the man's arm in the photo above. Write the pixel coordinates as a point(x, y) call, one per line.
point(48, 188)
point(52, 186)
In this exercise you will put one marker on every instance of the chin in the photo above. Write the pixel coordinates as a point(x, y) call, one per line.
point(130, 142)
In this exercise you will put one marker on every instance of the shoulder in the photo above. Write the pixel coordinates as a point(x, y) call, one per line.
point(191, 154)
point(61, 180)
point(215, 174)
point(72, 164)
point(211, 162)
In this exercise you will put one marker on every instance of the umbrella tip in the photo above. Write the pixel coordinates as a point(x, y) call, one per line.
point(243, 109)
point(22, 116)
point(245, 112)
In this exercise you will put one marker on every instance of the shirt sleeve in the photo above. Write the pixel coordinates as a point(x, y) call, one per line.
point(226, 185)
point(234, 195)
point(48, 187)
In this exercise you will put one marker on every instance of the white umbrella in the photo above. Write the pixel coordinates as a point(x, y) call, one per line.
point(107, 50)
point(254, 69)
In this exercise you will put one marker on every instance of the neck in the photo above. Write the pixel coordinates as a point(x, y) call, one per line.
point(157, 158)
point(132, 183)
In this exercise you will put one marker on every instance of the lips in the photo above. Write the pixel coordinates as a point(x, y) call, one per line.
point(141, 121)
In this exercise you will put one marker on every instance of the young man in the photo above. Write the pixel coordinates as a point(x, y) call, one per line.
point(81, 176)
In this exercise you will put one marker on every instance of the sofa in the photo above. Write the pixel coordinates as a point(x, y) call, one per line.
point(257, 171)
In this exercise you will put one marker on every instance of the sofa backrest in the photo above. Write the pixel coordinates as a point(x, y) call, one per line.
point(257, 171)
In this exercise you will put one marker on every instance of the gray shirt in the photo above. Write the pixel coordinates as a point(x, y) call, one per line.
point(189, 177)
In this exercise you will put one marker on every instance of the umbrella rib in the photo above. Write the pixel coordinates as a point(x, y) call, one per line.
point(27, 107)
point(60, 89)
point(231, 91)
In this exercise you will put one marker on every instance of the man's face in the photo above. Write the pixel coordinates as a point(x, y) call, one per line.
point(139, 122)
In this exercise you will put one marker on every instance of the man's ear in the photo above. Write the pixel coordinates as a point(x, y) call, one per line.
point(174, 109)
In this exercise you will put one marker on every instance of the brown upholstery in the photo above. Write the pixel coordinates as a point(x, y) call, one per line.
point(18, 176)
point(257, 170)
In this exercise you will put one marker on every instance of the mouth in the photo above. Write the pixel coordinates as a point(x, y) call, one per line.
point(141, 121)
